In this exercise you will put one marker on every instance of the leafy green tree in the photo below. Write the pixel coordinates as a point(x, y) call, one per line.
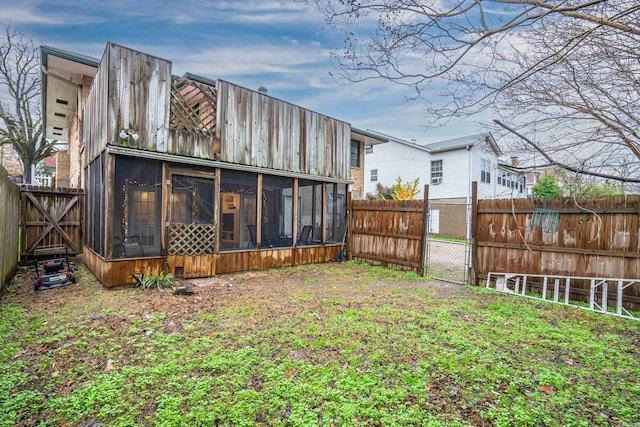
point(577, 185)
point(547, 187)
point(603, 189)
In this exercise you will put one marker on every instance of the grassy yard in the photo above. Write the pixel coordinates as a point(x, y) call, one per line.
point(331, 345)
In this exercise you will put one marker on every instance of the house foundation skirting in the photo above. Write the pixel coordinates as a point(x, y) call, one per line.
point(119, 272)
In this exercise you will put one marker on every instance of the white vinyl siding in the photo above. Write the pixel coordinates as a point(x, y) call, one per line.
point(393, 160)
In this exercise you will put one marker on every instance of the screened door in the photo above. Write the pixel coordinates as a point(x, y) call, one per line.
point(192, 215)
point(144, 217)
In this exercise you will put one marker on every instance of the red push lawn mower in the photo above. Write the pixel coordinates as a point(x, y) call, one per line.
point(52, 267)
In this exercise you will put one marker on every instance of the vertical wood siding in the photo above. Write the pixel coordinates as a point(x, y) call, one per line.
point(94, 115)
point(118, 272)
point(258, 130)
point(9, 227)
point(139, 89)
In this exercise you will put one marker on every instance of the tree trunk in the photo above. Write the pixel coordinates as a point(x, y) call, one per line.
point(26, 174)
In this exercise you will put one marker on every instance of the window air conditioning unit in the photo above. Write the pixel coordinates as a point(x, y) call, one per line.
point(436, 181)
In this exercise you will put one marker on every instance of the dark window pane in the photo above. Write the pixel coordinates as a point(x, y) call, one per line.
point(336, 212)
point(355, 154)
point(191, 200)
point(277, 212)
point(238, 211)
point(309, 212)
point(137, 208)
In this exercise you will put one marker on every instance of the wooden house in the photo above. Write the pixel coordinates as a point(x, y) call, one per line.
point(194, 176)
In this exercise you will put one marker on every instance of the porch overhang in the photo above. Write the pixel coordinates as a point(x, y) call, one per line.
point(367, 138)
point(62, 77)
point(123, 151)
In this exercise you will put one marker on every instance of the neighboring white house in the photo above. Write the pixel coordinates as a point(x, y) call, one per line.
point(449, 167)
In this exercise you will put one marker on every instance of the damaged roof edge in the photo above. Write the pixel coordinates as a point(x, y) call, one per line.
point(200, 79)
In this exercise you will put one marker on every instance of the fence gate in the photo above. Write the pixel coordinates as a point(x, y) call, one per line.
point(50, 216)
point(448, 240)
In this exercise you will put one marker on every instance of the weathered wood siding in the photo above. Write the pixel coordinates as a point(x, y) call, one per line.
point(387, 232)
point(258, 130)
point(600, 244)
point(190, 144)
point(118, 272)
point(139, 90)
point(9, 227)
point(94, 116)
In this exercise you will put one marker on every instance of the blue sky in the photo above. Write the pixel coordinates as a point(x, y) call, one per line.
point(283, 45)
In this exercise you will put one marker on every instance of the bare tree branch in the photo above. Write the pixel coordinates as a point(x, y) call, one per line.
point(20, 117)
point(563, 165)
point(566, 71)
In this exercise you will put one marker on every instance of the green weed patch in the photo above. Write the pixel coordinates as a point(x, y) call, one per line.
point(341, 344)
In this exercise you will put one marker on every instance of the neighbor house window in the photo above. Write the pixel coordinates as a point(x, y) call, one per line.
point(238, 209)
point(436, 172)
point(374, 175)
point(502, 177)
point(485, 171)
point(355, 154)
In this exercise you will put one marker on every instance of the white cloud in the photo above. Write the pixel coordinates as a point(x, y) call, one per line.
point(292, 62)
point(24, 15)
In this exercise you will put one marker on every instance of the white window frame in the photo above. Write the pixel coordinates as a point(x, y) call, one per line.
point(485, 171)
point(437, 171)
point(373, 175)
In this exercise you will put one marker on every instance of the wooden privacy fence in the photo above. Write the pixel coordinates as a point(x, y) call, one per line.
point(9, 228)
point(388, 232)
point(594, 238)
point(51, 216)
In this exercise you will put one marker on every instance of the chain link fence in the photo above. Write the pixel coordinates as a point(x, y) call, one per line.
point(448, 240)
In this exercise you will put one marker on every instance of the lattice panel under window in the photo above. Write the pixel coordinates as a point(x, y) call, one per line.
point(191, 239)
point(193, 106)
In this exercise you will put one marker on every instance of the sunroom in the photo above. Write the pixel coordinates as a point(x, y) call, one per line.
point(198, 177)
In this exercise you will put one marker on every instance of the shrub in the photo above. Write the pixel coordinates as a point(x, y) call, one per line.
point(151, 281)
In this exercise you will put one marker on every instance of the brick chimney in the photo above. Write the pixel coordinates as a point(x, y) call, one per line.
point(514, 161)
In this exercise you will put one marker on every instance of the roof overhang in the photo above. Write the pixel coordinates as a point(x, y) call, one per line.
point(200, 79)
point(511, 168)
point(62, 77)
point(367, 137)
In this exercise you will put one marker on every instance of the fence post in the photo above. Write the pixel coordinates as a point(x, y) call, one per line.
point(349, 224)
point(474, 224)
point(425, 232)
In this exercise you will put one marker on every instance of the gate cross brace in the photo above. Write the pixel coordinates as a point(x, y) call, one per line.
point(52, 223)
